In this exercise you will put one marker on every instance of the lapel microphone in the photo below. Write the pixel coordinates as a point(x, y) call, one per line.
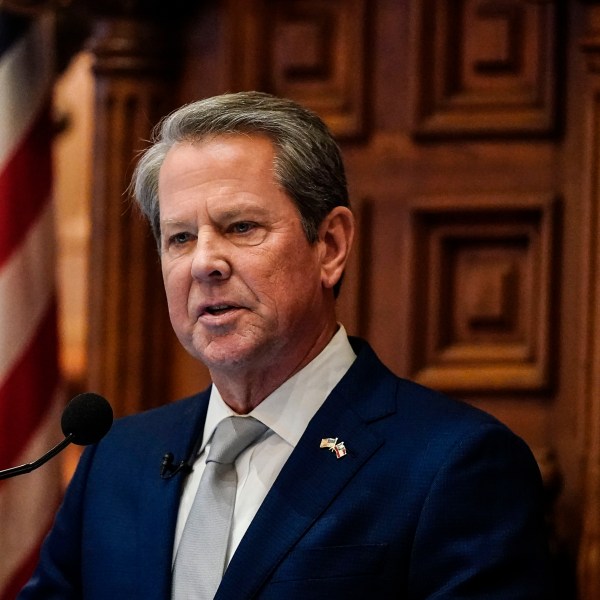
point(168, 469)
point(185, 467)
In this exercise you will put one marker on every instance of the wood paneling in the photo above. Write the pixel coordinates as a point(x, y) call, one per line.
point(484, 67)
point(466, 276)
point(309, 50)
point(479, 292)
point(589, 382)
point(128, 316)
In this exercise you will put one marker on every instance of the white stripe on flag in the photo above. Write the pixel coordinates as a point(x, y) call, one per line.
point(25, 78)
point(28, 503)
point(27, 284)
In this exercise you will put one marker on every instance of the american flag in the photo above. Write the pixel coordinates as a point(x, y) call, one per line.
point(30, 402)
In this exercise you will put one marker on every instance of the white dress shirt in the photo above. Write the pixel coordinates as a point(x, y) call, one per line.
point(287, 412)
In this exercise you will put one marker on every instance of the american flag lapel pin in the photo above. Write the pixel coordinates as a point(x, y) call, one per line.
point(332, 444)
point(328, 443)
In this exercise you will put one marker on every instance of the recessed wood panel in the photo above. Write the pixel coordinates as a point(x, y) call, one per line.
point(484, 67)
point(480, 276)
point(311, 51)
point(587, 388)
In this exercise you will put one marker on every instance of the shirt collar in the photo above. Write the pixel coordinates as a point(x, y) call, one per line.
point(288, 410)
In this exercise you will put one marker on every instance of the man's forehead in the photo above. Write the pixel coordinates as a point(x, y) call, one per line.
point(229, 209)
point(225, 139)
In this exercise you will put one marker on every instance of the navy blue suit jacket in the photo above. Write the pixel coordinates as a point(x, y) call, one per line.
point(433, 500)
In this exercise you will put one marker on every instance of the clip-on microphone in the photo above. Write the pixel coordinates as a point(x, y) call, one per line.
point(168, 469)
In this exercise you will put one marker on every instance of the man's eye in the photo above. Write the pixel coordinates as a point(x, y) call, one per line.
point(242, 227)
point(246, 233)
point(179, 238)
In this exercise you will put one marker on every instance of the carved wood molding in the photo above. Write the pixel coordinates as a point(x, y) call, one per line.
point(135, 66)
point(484, 67)
point(312, 51)
point(32, 6)
point(480, 300)
point(134, 48)
point(589, 390)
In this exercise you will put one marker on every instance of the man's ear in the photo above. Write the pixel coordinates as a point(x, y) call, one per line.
point(336, 233)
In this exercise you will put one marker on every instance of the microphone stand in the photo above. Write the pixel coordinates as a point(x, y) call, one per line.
point(27, 468)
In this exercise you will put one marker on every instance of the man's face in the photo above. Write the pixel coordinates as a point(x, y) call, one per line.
point(244, 286)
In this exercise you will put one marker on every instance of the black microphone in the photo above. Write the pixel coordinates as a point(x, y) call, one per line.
point(168, 469)
point(85, 420)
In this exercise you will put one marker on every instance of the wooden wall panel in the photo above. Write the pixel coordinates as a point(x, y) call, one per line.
point(479, 275)
point(311, 51)
point(588, 389)
point(453, 274)
point(128, 329)
point(484, 67)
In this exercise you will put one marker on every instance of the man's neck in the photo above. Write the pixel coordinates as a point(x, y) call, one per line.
point(245, 388)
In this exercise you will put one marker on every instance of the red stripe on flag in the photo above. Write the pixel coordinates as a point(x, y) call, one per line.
point(25, 183)
point(28, 388)
point(27, 392)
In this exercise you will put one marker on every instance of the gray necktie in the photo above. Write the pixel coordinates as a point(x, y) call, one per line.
point(200, 559)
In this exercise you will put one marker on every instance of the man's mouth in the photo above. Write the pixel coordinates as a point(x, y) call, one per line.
point(219, 309)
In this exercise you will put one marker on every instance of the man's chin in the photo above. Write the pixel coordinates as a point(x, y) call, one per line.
point(223, 354)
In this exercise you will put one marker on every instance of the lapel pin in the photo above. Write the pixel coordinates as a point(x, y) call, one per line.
point(332, 444)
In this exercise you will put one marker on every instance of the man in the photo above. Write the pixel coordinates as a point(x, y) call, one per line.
point(359, 484)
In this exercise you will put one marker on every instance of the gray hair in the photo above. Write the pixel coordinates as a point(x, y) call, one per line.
point(307, 165)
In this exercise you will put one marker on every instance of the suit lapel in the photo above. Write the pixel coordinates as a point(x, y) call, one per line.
point(160, 497)
point(312, 477)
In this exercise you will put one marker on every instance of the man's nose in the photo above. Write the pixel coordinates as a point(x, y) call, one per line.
point(210, 261)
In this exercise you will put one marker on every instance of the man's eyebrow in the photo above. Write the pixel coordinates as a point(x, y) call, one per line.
point(225, 213)
point(174, 223)
point(232, 213)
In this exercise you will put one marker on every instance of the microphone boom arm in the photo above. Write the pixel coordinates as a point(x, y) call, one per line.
point(28, 467)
